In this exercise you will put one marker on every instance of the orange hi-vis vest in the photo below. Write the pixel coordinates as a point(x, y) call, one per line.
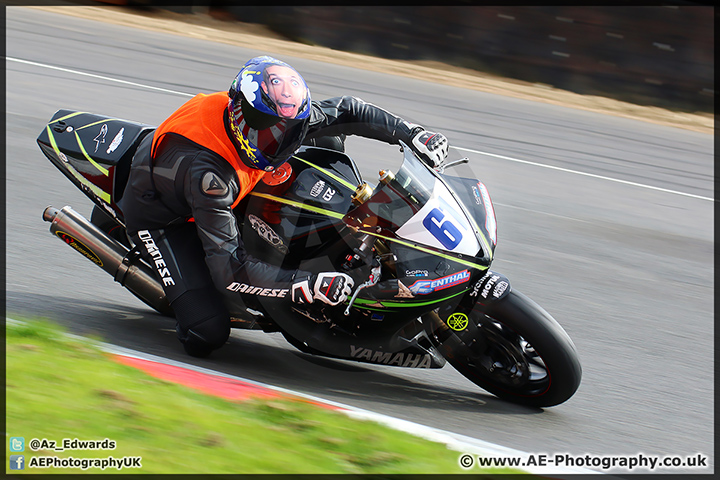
point(200, 120)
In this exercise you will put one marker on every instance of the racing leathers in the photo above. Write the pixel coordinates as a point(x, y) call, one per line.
point(184, 182)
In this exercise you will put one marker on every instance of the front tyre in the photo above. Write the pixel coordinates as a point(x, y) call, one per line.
point(515, 350)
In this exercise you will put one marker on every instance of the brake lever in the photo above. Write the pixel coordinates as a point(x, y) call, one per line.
point(441, 168)
point(372, 280)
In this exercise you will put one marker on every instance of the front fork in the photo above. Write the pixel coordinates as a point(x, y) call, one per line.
point(455, 323)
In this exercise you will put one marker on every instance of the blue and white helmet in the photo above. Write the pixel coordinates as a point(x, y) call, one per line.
point(268, 111)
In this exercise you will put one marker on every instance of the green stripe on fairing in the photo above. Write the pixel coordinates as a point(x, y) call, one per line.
point(105, 120)
point(93, 188)
point(467, 263)
point(88, 158)
point(66, 117)
point(340, 216)
point(485, 243)
point(303, 206)
point(77, 137)
point(344, 182)
point(395, 304)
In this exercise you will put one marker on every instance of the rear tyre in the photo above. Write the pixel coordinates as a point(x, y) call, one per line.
point(515, 350)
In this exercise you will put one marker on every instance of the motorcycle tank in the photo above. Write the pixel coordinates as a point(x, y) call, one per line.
point(93, 151)
point(297, 210)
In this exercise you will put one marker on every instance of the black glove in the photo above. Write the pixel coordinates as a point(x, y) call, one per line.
point(432, 148)
point(328, 287)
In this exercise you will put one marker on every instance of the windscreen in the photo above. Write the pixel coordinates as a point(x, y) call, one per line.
point(417, 206)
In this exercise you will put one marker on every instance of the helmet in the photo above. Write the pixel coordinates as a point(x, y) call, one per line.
point(268, 112)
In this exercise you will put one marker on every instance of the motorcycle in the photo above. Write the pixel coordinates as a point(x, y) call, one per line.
point(419, 246)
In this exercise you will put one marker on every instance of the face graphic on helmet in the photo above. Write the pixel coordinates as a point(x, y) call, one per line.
point(269, 112)
point(284, 86)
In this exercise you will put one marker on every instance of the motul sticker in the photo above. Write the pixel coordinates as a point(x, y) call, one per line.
point(80, 247)
point(492, 286)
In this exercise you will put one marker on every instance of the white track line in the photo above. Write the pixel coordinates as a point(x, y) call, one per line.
point(552, 167)
point(502, 157)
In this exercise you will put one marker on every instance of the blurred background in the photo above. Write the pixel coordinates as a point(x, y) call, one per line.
point(648, 55)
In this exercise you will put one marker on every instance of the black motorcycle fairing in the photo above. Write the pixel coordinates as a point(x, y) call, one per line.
point(480, 207)
point(94, 152)
point(284, 223)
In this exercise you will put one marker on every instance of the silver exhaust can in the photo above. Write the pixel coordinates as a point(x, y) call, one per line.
point(126, 266)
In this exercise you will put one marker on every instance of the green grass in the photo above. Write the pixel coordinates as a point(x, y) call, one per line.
point(59, 388)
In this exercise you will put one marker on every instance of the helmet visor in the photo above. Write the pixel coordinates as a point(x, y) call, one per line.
point(280, 141)
point(267, 140)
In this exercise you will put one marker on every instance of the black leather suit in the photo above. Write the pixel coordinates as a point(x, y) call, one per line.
point(196, 260)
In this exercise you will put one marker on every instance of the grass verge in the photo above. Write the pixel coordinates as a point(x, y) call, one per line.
point(60, 388)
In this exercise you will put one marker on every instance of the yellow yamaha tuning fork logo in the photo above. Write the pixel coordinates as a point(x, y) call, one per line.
point(457, 321)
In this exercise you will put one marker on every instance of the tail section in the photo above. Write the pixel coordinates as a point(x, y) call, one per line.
point(94, 152)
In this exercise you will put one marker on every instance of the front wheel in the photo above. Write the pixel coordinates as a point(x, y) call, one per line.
point(515, 350)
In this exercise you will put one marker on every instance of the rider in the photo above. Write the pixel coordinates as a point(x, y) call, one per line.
point(187, 177)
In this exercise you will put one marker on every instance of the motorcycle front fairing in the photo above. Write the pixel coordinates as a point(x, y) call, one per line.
point(430, 246)
point(422, 211)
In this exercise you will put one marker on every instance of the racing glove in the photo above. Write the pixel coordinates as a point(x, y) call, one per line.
point(432, 148)
point(328, 287)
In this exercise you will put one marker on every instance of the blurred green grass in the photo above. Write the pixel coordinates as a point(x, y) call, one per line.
point(59, 387)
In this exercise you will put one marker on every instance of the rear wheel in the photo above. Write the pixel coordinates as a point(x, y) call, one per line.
point(516, 351)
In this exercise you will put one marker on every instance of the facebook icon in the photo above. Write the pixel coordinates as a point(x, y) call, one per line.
point(17, 462)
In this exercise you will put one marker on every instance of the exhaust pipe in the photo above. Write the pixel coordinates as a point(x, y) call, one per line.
point(125, 266)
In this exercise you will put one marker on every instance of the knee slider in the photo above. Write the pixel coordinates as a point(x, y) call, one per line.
point(214, 332)
point(205, 322)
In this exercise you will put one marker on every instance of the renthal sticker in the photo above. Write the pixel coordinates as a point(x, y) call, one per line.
point(403, 291)
point(260, 291)
point(457, 321)
point(268, 234)
point(411, 360)
point(80, 247)
point(317, 189)
point(101, 136)
point(423, 287)
point(116, 141)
